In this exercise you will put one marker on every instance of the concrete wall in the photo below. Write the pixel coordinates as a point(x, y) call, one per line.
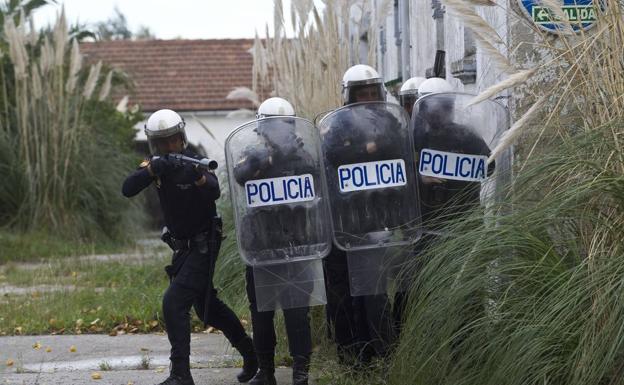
point(430, 27)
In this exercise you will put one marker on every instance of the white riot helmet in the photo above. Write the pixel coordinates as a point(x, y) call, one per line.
point(275, 107)
point(160, 126)
point(434, 86)
point(358, 77)
point(409, 92)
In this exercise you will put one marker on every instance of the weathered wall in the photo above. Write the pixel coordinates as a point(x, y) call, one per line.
point(422, 37)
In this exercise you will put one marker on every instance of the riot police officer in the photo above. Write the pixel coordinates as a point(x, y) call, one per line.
point(278, 152)
point(359, 325)
point(187, 197)
point(409, 93)
point(442, 198)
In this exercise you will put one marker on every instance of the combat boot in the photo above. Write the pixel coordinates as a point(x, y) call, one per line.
point(266, 374)
point(177, 380)
point(180, 373)
point(300, 369)
point(250, 362)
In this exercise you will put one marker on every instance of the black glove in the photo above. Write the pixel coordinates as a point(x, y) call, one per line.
point(259, 158)
point(161, 165)
point(197, 174)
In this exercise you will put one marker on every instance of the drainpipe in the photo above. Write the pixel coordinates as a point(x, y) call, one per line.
point(404, 40)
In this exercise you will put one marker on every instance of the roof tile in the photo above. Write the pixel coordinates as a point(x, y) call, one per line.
point(184, 75)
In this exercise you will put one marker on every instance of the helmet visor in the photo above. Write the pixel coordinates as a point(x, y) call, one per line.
point(165, 145)
point(366, 93)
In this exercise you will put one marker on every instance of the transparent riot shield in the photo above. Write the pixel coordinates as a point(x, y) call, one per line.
point(368, 155)
point(452, 141)
point(281, 209)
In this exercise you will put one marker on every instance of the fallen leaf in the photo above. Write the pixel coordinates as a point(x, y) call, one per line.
point(210, 329)
point(133, 330)
point(99, 308)
point(160, 369)
point(48, 349)
point(145, 350)
point(113, 333)
point(9, 362)
point(153, 323)
point(79, 322)
point(52, 322)
point(19, 330)
point(72, 349)
point(96, 376)
point(37, 345)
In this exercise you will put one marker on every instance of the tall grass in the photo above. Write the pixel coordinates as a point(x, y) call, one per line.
point(534, 296)
point(537, 298)
point(307, 68)
point(62, 170)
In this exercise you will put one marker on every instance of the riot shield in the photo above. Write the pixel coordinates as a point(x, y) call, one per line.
point(281, 211)
point(367, 149)
point(453, 141)
point(368, 154)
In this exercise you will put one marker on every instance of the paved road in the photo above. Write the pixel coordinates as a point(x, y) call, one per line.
point(122, 360)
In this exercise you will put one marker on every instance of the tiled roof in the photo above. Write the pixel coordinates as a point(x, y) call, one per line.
point(184, 75)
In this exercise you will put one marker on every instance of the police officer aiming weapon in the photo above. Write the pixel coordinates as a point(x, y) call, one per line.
point(187, 189)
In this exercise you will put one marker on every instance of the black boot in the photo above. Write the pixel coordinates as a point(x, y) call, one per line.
point(300, 369)
point(250, 362)
point(177, 380)
point(266, 374)
point(180, 373)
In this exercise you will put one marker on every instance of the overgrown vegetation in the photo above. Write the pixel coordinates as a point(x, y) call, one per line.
point(533, 295)
point(537, 297)
point(85, 294)
point(63, 147)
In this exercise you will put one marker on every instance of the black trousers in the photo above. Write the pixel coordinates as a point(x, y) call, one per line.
point(191, 286)
point(362, 326)
point(297, 325)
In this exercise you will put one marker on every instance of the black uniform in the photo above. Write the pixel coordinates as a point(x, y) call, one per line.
point(360, 325)
point(195, 230)
point(279, 153)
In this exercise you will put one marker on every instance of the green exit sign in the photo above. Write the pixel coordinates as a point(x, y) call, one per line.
point(573, 14)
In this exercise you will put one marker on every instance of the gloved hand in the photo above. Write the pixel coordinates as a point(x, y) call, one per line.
point(161, 165)
point(260, 158)
point(197, 175)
